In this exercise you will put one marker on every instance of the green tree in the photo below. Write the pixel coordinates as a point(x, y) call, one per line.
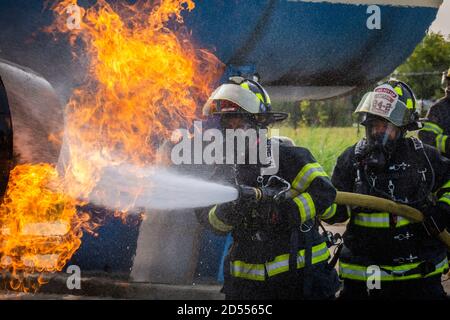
point(423, 69)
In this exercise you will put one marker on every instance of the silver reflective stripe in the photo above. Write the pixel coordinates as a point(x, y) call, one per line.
point(329, 213)
point(272, 266)
point(320, 253)
point(397, 273)
point(248, 271)
point(370, 220)
point(307, 210)
point(305, 180)
point(442, 264)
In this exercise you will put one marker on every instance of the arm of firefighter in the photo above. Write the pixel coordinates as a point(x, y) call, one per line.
point(343, 180)
point(442, 173)
point(433, 135)
point(433, 132)
point(312, 192)
point(224, 217)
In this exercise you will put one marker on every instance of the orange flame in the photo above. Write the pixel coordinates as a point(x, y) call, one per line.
point(39, 227)
point(144, 80)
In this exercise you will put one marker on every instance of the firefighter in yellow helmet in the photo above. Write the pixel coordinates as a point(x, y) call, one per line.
point(405, 258)
point(277, 250)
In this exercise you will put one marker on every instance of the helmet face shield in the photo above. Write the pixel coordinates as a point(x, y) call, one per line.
point(381, 132)
point(386, 104)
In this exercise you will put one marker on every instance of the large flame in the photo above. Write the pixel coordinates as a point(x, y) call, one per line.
point(40, 228)
point(144, 79)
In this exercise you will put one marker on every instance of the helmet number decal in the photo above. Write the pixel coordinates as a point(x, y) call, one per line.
point(384, 101)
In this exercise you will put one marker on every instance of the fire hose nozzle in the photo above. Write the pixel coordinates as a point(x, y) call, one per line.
point(275, 189)
point(249, 193)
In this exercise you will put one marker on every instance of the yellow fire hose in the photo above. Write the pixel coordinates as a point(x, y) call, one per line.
point(385, 205)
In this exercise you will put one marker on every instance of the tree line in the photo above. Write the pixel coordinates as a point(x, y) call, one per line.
point(422, 71)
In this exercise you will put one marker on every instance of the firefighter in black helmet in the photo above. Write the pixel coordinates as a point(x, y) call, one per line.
point(277, 250)
point(387, 256)
point(437, 126)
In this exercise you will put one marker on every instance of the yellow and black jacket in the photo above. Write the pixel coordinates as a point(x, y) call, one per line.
point(437, 128)
point(402, 249)
point(262, 236)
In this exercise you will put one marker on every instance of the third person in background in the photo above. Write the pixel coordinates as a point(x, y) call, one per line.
point(437, 127)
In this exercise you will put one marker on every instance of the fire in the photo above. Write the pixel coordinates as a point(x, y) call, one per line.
point(40, 228)
point(144, 79)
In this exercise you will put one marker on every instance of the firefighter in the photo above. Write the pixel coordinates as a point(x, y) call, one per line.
point(387, 256)
point(437, 127)
point(277, 251)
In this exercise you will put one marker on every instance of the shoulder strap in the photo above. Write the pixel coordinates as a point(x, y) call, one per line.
point(418, 145)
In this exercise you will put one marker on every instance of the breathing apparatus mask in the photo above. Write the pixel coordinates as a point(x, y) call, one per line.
point(382, 139)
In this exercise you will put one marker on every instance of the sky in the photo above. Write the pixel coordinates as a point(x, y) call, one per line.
point(442, 22)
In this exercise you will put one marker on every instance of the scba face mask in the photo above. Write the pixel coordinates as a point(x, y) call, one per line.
point(382, 137)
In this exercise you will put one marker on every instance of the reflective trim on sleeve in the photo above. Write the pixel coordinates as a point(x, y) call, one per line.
point(441, 140)
point(446, 185)
point(329, 213)
point(307, 175)
point(432, 127)
point(306, 206)
point(445, 198)
point(216, 222)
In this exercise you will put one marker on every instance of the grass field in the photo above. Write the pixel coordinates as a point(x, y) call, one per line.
point(326, 144)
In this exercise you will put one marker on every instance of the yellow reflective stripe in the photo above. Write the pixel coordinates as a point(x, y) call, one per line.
point(432, 127)
point(378, 220)
point(306, 175)
point(320, 253)
point(260, 97)
point(280, 264)
point(399, 91)
point(245, 85)
point(216, 222)
point(401, 222)
point(240, 269)
point(372, 220)
point(306, 206)
point(329, 213)
point(358, 272)
point(441, 140)
point(409, 103)
point(445, 198)
point(446, 185)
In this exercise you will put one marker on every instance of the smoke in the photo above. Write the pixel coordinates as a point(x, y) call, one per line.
point(127, 187)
